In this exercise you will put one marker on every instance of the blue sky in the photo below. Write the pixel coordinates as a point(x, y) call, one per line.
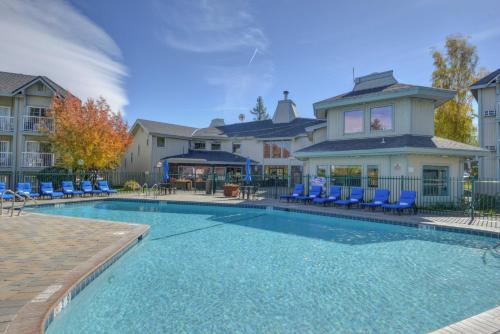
point(190, 61)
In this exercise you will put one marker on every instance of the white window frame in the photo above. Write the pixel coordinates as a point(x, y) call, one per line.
point(164, 142)
point(7, 146)
point(362, 123)
point(199, 142)
point(8, 109)
point(28, 110)
point(392, 117)
point(215, 143)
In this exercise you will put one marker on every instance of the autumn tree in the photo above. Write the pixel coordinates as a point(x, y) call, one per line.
point(455, 70)
point(260, 111)
point(87, 133)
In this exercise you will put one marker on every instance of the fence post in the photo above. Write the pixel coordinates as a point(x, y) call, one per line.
point(472, 191)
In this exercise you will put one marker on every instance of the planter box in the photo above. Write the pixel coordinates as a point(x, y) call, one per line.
point(231, 190)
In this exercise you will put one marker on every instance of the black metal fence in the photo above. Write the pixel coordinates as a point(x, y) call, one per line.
point(460, 197)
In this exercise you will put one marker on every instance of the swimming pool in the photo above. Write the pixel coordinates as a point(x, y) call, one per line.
point(213, 269)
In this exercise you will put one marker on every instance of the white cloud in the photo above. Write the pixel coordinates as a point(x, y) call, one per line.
point(485, 34)
point(241, 86)
point(211, 26)
point(52, 38)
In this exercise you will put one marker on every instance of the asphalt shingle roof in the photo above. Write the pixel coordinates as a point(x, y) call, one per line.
point(211, 157)
point(166, 128)
point(389, 142)
point(485, 80)
point(9, 82)
point(386, 88)
point(268, 129)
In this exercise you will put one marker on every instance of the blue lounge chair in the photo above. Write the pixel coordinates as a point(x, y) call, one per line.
point(3, 188)
point(315, 192)
point(335, 194)
point(381, 197)
point(356, 198)
point(68, 189)
point(24, 189)
point(406, 202)
point(298, 191)
point(47, 190)
point(88, 189)
point(104, 187)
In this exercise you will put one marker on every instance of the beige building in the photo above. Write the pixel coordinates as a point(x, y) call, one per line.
point(486, 91)
point(383, 128)
point(24, 104)
point(269, 144)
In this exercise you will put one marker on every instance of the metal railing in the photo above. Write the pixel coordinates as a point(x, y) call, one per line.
point(5, 159)
point(38, 124)
point(6, 124)
point(15, 196)
point(37, 159)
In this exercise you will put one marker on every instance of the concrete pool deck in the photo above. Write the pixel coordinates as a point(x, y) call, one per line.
point(43, 256)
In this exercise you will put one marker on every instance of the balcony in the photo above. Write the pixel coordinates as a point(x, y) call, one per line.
point(38, 124)
point(6, 124)
point(5, 159)
point(37, 159)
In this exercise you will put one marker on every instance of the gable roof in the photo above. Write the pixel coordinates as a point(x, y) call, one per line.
point(390, 143)
point(208, 157)
point(166, 128)
point(490, 78)
point(11, 83)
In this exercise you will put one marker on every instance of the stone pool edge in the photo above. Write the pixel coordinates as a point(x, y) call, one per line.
point(35, 317)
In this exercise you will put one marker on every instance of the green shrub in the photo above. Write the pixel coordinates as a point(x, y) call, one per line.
point(131, 185)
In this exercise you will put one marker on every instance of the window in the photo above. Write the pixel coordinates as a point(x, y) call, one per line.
point(138, 150)
point(4, 111)
point(435, 179)
point(237, 148)
point(38, 147)
point(353, 121)
point(346, 175)
point(277, 149)
point(381, 118)
point(131, 157)
point(372, 172)
point(39, 87)
point(199, 145)
point(280, 171)
point(160, 141)
point(37, 111)
point(321, 170)
point(147, 141)
point(4, 146)
point(216, 146)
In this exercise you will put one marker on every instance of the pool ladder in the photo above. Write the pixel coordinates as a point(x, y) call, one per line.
point(147, 191)
point(22, 199)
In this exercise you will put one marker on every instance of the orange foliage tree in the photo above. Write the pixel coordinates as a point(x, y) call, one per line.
point(88, 133)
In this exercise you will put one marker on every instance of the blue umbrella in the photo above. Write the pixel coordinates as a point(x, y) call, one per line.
point(165, 170)
point(248, 172)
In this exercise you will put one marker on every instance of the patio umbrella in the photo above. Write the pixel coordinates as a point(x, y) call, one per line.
point(165, 170)
point(248, 172)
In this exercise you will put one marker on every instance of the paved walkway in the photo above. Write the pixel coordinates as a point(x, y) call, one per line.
point(40, 252)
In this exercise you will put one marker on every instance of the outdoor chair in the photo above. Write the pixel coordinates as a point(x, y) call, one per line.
point(335, 194)
point(68, 189)
point(381, 197)
point(47, 190)
point(87, 189)
point(104, 187)
point(24, 189)
point(355, 199)
point(315, 192)
point(298, 191)
point(406, 202)
point(5, 196)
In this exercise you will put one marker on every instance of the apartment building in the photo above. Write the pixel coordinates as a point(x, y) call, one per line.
point(269, 144)
point(24, 104)
point(486, 91)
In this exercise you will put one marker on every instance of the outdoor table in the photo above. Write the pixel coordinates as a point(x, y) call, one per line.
point(184, 184)
point(165, 188)
point(247, 190)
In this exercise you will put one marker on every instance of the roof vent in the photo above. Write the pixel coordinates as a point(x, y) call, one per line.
point(217, 122)
point(374, 80)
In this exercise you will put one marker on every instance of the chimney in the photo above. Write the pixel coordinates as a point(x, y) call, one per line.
point(285, 95)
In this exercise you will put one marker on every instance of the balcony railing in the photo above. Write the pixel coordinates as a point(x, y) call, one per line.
point(5, 159)
point(37, 159)
point(6, 124)
point(38, 124)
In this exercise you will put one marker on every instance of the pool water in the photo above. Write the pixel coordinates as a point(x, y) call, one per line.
point(212, 269)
